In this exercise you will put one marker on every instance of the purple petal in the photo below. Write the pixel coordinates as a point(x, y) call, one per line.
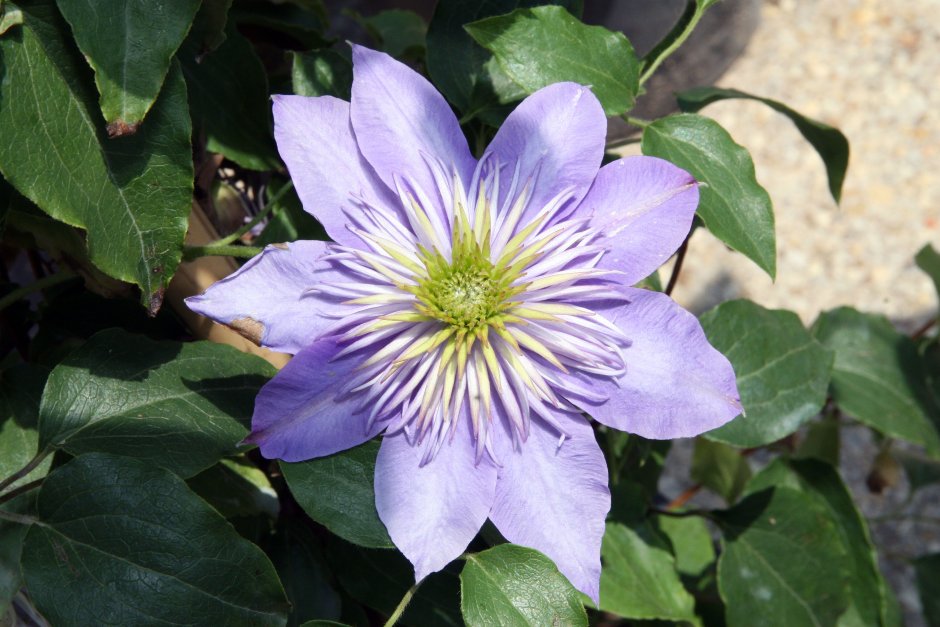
point(645, 207)
point(315, 139)
point(554, 499)
point(401, 121)
point(676, 385)
point(297, 413)
point(558, 134)
point(432, 512)
point(265, 301)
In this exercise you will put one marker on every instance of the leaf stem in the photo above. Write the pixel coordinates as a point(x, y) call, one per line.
point(261, 215)
point(26, 487)
point(402, 605)
point(17, 518)
point(41, 284)
point(25, 470)
point(676, 43)
point(629, 119)
point(227, 250)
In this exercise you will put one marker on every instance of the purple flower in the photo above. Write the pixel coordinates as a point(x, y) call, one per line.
point(474, 311)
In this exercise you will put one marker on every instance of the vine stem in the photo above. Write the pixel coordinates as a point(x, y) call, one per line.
point(693, 22)
point(674, 277)
point(402, 605)
point(265, 211)
point(227, 250)
point(26, 487)
point(41, 284)
point(25, 470)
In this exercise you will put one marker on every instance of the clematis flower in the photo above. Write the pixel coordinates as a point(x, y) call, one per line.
point(474, 311)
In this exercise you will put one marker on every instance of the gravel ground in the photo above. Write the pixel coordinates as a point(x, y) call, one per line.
point(870, 68)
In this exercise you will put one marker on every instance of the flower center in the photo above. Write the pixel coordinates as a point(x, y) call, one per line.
point(464, 293)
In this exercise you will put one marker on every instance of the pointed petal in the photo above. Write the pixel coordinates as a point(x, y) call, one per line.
point(558, 133)
point(315, 139)
point(265, 301)
point(297, 414)
point(645, 207)
point(400, 119)
point(555, 499)
point(676, 385)
point(432, 512)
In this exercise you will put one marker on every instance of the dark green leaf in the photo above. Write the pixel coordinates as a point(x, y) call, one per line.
point(236, 487)
point(456, 63)
point(928, 260)
point(20, 391)
point(322, 73)
point(294, 24)
point(927, 569)
point(296, 554)
point(288, 222)
point(380, 577)
point(11, 548)
point(10, 15)
point(544, 45)
point(878, 377)
point(208, 31)
point(129, 44)
point(179, 406)
point(822, 482)
point(228, 94)
point(133, 195)
point(515, 586)
point(640, 580)
point(155, 553)
point(783, 562)
point(338, 492)
point(782, 371)
point(828, 141)
point(821, 441)
point(734, 206)
point(691, 542)
point(720, 468)
point(323, 623)
point(399, 33)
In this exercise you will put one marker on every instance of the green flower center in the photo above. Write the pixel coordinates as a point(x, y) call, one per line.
point(465, 293)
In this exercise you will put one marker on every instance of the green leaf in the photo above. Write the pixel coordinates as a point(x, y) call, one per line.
point(11, 549)
point(720, 468)
point(457, 64)
point(733, 205)
point(782, 371)
point(821, 441)
point(129, 44)
point(149, 533)
point(178, 406)
point(867, 587)
point(640, 580)
point(878, 376)
point(783, 562)
point(208, 30)
point(20, 391)
point(399, 33)
point(928, 260)
point(132, 195)
point(828, 141)
point(296, 554)
point(338, 491)
point(544, 45)
point(691, 542)
point(10, 16)
point(515, 586)
point(322, 73)
point(379, 578)
point(236, 487)
point(927, 569)
point(228, 93)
